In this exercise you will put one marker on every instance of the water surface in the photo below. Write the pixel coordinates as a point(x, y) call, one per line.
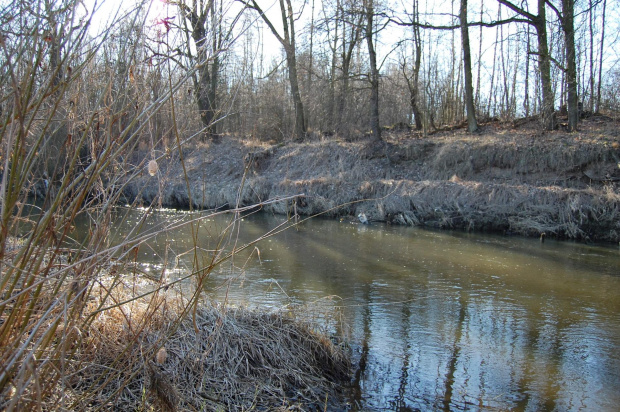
point(437, 320)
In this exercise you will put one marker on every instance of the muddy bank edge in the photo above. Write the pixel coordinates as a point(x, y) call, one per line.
point(566, 187)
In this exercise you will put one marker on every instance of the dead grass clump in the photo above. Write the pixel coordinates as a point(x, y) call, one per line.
point(586, 214)
point(504, 180)
point(523, 158)
point(147, 356)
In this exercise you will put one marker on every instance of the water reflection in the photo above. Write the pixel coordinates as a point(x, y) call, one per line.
point(438, 321)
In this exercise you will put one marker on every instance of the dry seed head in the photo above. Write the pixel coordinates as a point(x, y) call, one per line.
point(161, 355)
point(153, 167)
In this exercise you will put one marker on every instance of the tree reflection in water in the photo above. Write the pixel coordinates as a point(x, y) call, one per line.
point(441, 321)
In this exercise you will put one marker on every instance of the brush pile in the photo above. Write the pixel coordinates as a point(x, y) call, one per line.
point(160, 354)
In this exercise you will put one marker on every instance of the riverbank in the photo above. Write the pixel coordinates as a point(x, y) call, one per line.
point(162, 352)
point(511, 178)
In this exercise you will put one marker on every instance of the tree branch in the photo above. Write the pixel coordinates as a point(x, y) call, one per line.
point(518, 10)
point(254, 6)
point(555, 9)
point(458, 26)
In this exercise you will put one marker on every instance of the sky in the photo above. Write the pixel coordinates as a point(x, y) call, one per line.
point(159, 9)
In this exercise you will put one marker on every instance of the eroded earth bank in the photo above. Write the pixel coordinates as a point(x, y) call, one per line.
point(511, 178)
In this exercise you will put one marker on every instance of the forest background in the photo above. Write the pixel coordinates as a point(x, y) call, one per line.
point(474, 115)
point(275, 70)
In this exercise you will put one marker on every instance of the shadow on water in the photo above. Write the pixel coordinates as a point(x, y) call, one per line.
point(436, 320)
point(357, 389)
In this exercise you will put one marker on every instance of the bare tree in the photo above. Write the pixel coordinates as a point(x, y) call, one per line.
point(526, 86)
point(412, 75)
point(454, 103)
point(472, 124)
point(600, 67)
point(539, 22)
point(591, 59)
point(204, 32)
point(567, 16)
point(288, 41)
point(369, 35)
point(351, 34)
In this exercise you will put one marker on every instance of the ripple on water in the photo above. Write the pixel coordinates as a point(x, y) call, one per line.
point(438, 321)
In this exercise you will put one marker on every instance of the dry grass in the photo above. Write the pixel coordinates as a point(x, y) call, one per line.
point(150, 354)
point(509, 180)
point(73, 335)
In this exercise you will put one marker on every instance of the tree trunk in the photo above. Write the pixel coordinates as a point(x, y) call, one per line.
point(206, 96)
point(544, 64)
point(414, 91)
point(331, 108)
point(347, 55)
point(591, 32)
point(344, 93)
point(544, 60)
point(491, 102)
point(600, 67)
point(414, 88)
point(477, 99)
point(207, 60)
point(56, 149)
point(374, 71)
point(568, 14)
point(311, 51)
point(472, 124)
point(288, 43)
point(526, 98)
point(288, 23)
point(300, 121)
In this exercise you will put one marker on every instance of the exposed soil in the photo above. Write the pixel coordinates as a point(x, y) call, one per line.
point(511, 177)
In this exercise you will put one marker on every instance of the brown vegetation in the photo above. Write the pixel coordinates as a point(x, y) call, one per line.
point(221, 358)
point(512, 178)
point(72, 110)
point(143, 353)
point(90, 114)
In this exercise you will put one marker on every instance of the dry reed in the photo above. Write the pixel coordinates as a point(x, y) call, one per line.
point(225, 358)
point(73, 336)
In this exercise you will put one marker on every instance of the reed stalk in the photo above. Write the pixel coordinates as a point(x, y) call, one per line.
point(74, 333)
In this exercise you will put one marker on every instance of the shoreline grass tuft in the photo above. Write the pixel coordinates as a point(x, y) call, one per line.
point(149, 354)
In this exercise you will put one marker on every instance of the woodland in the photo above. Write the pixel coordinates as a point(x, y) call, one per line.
point(475, 115)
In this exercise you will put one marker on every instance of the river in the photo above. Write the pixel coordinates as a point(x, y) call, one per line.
point(436, 320)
